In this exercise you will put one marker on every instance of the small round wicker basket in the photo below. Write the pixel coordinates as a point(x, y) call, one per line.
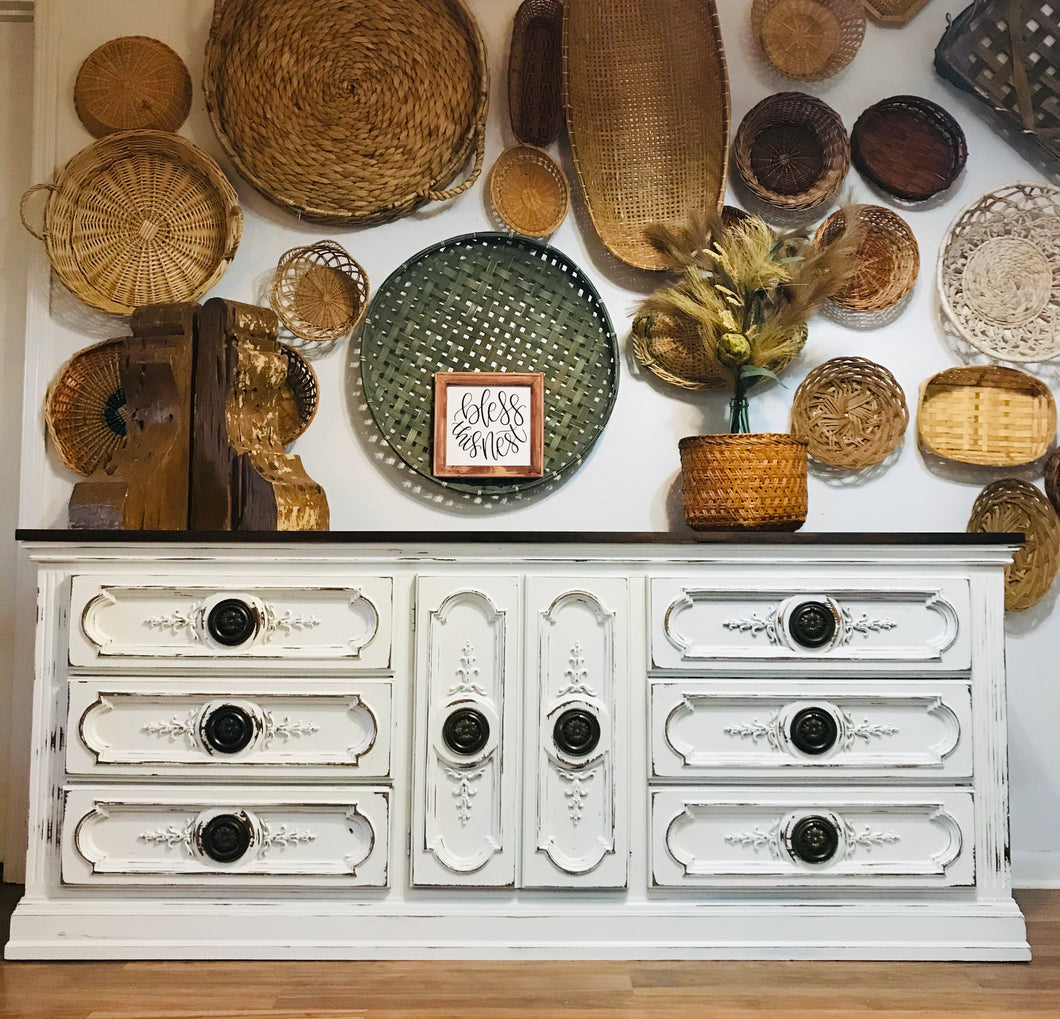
point(808, 40)
point(888, 258)
point(1011, 505)
point(298, 401)
point(851, 413)
point(529, 191)
point(791, 151)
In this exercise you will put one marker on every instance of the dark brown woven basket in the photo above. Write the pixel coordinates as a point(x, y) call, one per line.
point(1004, 53)
point(908, 146)
point(535, 72)
point(1052, 478)
point(298, 399)
point(791, 151)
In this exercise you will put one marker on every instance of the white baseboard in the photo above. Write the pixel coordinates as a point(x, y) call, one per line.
point(1036, 870)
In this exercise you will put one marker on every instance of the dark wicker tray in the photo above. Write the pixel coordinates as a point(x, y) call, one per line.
point(489, 302)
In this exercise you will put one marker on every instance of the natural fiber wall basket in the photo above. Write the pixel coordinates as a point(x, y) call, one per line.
point(348, 113)
point(298, 400)
point(791, 151)
point(535, 72)
point(744, 482)
point(132, 83)
point(1052, 479)
point(888, 258)
point(999, 272)
point(851, 413)
point(529, 191)
point(892, 12)
point(986, 414)
point(319, 292)
point(808, 40)
point(139, 217)
point(1011, 505)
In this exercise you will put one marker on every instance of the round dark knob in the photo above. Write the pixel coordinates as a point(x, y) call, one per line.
point(814, 839)
point(228, 729)
point(466, 731)
point(225, 838)
point(231, 622)
point(576, 732)
point(812, 624)
point(814, 731)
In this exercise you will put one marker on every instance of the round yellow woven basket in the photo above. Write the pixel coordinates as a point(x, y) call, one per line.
point(808, 40)
point(529, 191)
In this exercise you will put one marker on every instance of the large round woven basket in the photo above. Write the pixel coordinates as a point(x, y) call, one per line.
point(1011, 505)
point(137, 218)
point(744, 482)
point(348, 113)
point(808, 40)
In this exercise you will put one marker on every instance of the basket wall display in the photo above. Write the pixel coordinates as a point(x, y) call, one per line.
point(909, 147)
point(892, 12)
point(535, 72)
point(1004, 53)
point(999, 272)
point(319, 292)
point(132, 83)
point(348, 113)
point(808, 40)
point(137, 218)
point(1009, 506)
point(529, 191)
point(986, 414)
point(888, 258)
point(851, 413)
point(647, 104)
point(751, 481)
point(791, 151)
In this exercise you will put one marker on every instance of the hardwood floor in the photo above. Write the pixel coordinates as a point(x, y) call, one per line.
point(550, 990)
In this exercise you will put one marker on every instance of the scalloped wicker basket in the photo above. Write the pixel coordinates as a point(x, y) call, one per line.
point(529, 191)
point(808, 40)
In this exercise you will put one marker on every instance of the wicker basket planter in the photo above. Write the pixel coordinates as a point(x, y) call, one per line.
point(744, 482)
point(529, 191)
point(808, 40)
point(535, 72)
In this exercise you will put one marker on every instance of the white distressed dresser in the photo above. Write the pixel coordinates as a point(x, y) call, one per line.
point(564, 746)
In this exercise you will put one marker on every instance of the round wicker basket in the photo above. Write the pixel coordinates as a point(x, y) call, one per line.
point(1011, 505)
point(535, 72)
point(851, 413)
point(808, 40)
point(888, 258)
point(319, 293)
point(132, 83)
point(298, 401)
point(791, 151)
point(139, 217)
point(529, 191)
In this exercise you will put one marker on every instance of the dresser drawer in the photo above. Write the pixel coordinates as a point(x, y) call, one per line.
point(812, 837)
point(227, 727)
point(230, 620)
point(824, 728)
point(829, 618)
point(225, 836)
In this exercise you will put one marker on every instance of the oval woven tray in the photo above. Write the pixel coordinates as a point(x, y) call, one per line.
point(908, 146)
point(348, 113)
point(986, 414)
point(850, 412)
point(999, 272)
point(489, 302)
point(647, 100)
point(535, 72)
point(529, 191)
point(808, 40)
point(1011, 505)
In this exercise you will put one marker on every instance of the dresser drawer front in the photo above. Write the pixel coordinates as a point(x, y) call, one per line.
point(226, 836)
point(825, 618)
point(230, 620)
point(227, 727)
point(812, 838)
point(826, 729)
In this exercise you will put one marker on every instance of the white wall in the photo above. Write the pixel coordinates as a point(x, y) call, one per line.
point(629, 483)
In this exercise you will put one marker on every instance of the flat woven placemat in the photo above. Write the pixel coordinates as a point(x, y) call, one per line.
point(489, 302)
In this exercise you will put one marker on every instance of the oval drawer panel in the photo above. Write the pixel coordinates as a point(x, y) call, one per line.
point(825, 618)
point(234, 620)
point(226, 836)
point(903, 727)
point(140, 727)
point(816, 837)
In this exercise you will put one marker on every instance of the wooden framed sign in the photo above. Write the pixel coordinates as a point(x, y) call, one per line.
point(489, 424)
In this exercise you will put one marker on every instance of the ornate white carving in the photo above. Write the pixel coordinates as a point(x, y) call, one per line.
point(172, 836)
point(467, 673)
point(754, 624)
point(576, 674)
point(759, 838)
point(576, 794)
point(863, 624)
point(175, 728)
point(465, 790)
point(284, 729)
point(769, 730)
point(283, 836)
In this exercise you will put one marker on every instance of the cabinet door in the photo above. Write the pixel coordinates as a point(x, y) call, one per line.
point(466, 743)
point(575, 787)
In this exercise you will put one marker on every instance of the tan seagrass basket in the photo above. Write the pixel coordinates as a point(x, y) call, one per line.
point(1011, 505)
point(744, 482)
point(986, 414)
point(535, 72)
point(529, 191)
point(851, 412)
point(139, 217)
point(892, 12)
point(808, 40)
